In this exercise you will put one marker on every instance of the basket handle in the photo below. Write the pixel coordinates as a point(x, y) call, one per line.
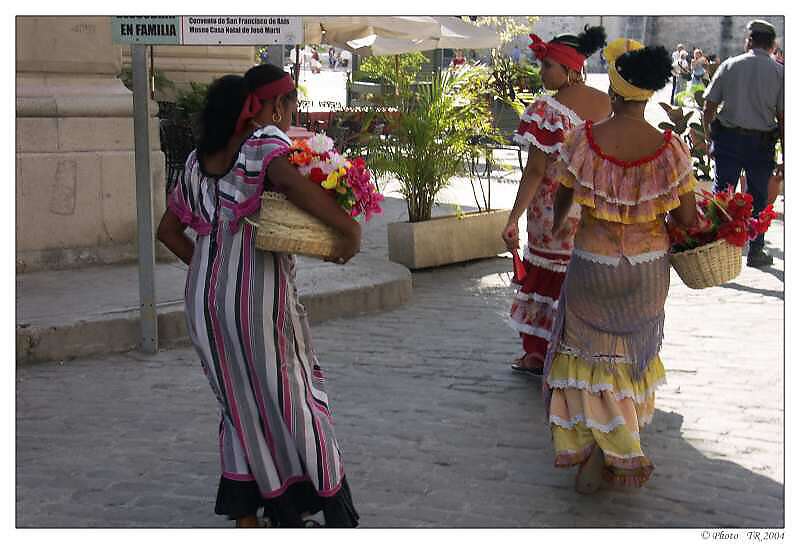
point(252, 223)
point(723, 210)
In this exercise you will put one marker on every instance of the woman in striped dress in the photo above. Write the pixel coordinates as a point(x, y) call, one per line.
point(276, 439)
point(542, 128)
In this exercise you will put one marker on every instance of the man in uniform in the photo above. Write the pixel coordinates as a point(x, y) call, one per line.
point(744, 132)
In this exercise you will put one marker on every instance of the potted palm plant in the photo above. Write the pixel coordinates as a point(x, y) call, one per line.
point(426, 145)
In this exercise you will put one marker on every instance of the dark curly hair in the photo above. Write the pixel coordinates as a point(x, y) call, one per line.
point(224, 102)
point(587, 42)
point(647, 68)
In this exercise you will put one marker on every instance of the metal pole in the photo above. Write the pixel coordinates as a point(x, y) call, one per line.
point(144, 201)
point(297, 79)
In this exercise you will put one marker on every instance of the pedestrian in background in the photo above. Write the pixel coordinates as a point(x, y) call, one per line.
point(743, 133)
point(458, 60)
point(698, 66)
point(676, 70)
point(332, 58)
point(516, 53)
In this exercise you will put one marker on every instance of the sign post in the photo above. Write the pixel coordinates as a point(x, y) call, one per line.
point(144, 200)
point(140, 32)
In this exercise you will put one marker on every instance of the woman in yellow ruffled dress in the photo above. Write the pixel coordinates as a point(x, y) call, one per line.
point(603, 367)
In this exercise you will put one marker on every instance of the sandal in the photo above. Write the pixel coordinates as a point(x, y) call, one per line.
point(590, 473)
point(533, 371)
point(517, 366)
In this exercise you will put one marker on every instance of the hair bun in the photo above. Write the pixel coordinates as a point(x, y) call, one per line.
point(591, 39)
point(647, 68)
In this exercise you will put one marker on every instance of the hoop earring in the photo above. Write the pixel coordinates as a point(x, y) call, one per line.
point(577, 78)
point(277, 117)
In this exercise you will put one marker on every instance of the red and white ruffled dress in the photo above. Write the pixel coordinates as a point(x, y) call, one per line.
point(546, 254)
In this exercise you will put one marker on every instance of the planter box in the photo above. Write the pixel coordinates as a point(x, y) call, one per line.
point(449, 239)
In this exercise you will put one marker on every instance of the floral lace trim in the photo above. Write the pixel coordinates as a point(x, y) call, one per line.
point(536, 297)
point(648, 257)
point(598, 388)
point(541, 262)
point(596, 258)
point(580, 418)
point(575, 352)
point(674, 184)
point(530, 329)
point(543, 123)
point(561, 108)
point(614, 261)
point(528, 139)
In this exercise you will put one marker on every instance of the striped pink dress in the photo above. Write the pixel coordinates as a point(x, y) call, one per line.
point(252, 335)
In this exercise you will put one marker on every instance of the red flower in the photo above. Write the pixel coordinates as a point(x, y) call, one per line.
point(317, 175)
point(765, 219)
point(677, 236)
point(740, 206)
point(734, 232)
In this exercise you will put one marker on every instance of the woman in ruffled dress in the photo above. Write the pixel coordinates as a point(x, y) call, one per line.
point(542, 129)
point(603, 365)
point(277, 444)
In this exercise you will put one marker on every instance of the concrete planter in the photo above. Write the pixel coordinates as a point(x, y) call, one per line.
point(446, 240)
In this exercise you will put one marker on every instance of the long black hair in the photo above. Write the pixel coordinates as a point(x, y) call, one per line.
point(224, 102)
point(587, 42)
point(647, 68)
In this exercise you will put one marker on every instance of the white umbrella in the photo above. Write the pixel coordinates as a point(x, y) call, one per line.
point(340, 30)
point(392, 35)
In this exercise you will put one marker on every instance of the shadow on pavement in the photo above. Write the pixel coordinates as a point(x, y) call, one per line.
point(765, 292)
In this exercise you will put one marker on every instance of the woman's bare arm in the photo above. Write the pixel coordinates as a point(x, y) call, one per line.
point(563, 202)
point(528, 185)
point(685, 214)
point(171, 233)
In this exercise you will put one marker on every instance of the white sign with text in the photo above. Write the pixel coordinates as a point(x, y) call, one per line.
point(241, 30)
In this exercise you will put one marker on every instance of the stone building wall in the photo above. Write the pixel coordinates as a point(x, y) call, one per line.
point(75, 184)
point(720, 34)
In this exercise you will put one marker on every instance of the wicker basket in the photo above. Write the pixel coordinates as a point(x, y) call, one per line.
point(709, 265)
point(285, 228)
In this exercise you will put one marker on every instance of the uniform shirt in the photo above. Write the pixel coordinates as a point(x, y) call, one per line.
point(750, 88)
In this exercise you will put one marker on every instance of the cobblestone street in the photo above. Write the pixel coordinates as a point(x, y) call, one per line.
point(435, 429)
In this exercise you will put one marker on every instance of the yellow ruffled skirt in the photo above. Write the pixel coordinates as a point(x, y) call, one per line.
point(600, 404)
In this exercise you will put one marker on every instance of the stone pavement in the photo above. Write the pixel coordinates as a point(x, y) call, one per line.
point(435, 430)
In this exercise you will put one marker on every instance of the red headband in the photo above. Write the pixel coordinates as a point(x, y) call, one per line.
point(252, 105)
point(559, 52)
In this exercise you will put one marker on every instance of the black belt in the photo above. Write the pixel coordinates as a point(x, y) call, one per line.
point(748, 131)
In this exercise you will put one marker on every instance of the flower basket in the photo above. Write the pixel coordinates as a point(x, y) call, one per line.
point(709, 265)
point(283, 227)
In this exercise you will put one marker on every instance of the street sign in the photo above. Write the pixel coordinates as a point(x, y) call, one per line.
point(241, 30)
point(208, 30)
point(159, 30)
